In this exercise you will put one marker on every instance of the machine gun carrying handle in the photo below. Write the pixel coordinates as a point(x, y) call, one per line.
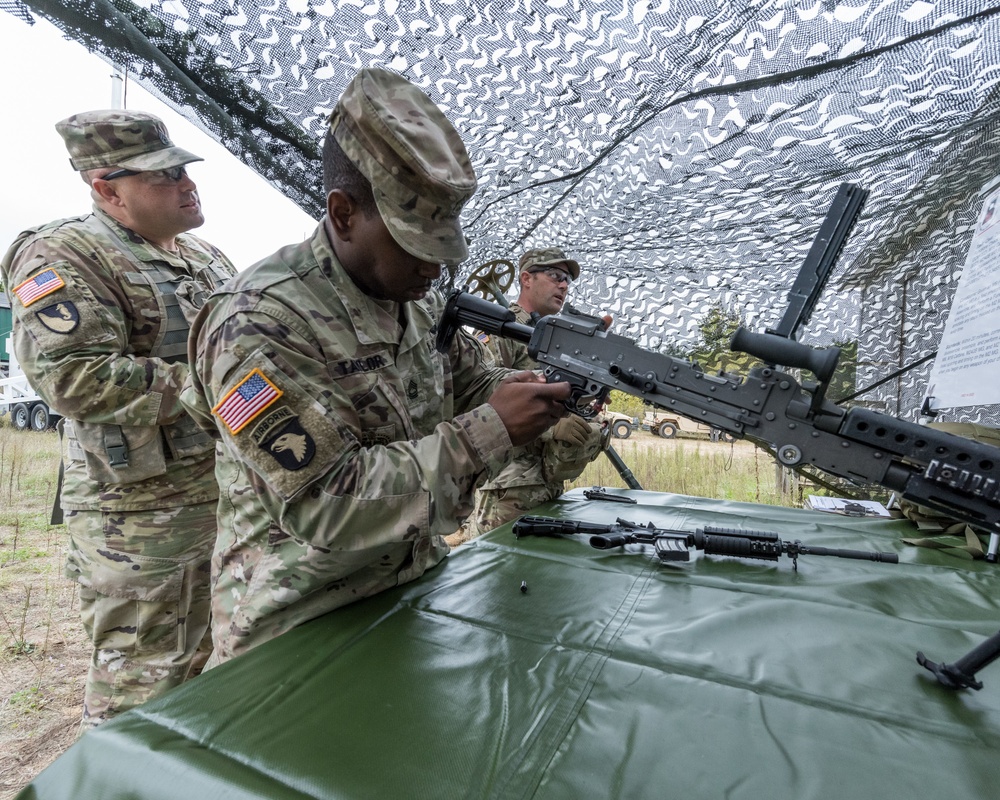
point(772, 349)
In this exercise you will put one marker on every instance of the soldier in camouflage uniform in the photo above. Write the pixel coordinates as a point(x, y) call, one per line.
point(539, 470)
point(102, 307)
point(349, 443)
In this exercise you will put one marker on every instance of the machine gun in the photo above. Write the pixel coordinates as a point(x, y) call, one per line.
point(674, 545)
point(954, 475)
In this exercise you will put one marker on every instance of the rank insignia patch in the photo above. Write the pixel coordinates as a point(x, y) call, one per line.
point(59, 317)
point(291, 446)
point(34, 289)
point(246, 400)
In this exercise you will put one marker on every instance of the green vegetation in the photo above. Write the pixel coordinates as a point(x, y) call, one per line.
point(29, 700)
point(626, 404)
point(738, 471)
point(713, 354)
point(31, 550)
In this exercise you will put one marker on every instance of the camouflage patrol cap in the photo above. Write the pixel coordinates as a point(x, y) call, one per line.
point(414, 158)
point(548, 257)
point(119, 138)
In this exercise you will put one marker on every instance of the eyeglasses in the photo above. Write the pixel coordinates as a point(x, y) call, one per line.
point(159, 176)
point(556, 274)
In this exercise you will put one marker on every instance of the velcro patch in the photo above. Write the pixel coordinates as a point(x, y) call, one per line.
point(34, 289)
point(246, 401)
point(290, 445)
point(483, 337)
point(60, 317)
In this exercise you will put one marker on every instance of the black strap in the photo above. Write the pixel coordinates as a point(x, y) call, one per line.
point(57, 511)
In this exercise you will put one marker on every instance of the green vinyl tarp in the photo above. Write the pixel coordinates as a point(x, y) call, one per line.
point(612, 675)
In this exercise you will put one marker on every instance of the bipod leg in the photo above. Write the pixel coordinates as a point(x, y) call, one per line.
point(962, 674)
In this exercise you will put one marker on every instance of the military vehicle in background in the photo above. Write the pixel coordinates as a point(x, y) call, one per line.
point(26, 408)
point(669, 426)
point(621, 425)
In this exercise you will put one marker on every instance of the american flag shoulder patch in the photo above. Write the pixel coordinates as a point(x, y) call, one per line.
point(35, 288)
point(245, 401)
point(483, 337)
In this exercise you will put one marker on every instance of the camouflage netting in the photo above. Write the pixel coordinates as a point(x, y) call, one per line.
point(686, 152)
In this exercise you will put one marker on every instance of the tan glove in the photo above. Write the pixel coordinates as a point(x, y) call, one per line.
point(571, 429)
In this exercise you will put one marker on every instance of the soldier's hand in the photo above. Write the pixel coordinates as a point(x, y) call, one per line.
point(572, 430)
point(527, 405)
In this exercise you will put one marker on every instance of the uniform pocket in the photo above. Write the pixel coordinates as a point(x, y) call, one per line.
point(186, 439)
point(97, 445)
point(131, 603)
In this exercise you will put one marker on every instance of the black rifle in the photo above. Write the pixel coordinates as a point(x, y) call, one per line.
point(674, 545)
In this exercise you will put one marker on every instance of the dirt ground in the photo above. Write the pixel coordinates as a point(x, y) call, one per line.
point(43, 651)
point(43, 655)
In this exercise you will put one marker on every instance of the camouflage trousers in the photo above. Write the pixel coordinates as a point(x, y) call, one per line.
point(144, 601)
point(495, 507)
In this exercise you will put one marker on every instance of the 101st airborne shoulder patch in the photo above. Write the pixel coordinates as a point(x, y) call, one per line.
point(246, 400)
point(39, 286)
point(281, 435)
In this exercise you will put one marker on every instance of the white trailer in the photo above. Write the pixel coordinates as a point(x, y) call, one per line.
point(26, 408)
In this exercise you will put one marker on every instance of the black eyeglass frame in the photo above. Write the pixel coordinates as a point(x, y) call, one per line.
point(178, 173)
point(551, 271)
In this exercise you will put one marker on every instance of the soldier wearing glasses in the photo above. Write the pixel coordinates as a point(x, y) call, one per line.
point(103, 304)
point(539, 470)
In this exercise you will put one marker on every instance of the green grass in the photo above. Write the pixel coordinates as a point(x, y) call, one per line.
point(28, 701)
point(738, 472)
point(26, 554)
point(31, 550)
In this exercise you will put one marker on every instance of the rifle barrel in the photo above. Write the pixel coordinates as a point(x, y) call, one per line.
point(863, 555)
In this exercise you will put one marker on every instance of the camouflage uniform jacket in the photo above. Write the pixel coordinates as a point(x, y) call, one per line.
point(101, 323)
point(350, 445)
point(531, 463)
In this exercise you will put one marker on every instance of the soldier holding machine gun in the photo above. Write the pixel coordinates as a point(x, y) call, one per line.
point(539, 470)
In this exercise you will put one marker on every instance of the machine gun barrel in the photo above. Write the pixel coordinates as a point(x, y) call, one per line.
point(769, 546)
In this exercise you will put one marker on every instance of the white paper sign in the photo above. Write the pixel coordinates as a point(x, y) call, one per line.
point(967, 367)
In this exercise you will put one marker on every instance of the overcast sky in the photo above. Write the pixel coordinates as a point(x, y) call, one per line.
point(46, 79)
